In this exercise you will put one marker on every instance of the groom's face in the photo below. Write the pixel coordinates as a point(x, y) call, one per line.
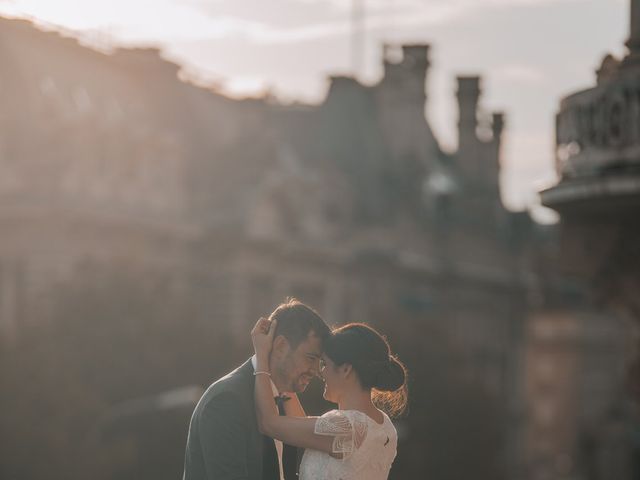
point(299, 365)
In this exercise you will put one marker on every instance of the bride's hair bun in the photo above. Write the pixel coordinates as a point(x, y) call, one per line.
point(390, 376)
point(370, 356)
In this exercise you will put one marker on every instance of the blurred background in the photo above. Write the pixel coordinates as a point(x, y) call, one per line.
point(171, 171)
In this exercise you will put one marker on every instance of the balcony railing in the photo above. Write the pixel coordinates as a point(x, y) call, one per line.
point(598, 130)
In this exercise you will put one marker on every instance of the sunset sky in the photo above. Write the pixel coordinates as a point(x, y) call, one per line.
point(529, 52)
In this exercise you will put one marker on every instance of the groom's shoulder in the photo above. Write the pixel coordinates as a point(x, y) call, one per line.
point(239, 378)
point(236, 384)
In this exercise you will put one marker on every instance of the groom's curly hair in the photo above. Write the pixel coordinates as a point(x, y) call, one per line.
point(296, 320)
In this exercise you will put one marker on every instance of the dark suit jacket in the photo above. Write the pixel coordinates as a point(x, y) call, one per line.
point(224, 442)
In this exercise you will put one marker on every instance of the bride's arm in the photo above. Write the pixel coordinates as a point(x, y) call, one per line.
point(293, 407)
point(291, 430)
point(297, 431)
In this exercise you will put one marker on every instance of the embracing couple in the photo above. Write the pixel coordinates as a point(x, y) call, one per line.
point(248, 424)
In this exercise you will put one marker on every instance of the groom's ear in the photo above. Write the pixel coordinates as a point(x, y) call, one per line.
point(280, 346)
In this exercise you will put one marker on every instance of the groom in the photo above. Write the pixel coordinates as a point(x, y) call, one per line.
point(224, 442)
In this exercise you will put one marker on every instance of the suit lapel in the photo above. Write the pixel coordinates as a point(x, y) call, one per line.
point(262, 452)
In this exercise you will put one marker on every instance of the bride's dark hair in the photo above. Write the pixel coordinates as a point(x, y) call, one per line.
point(368, 352)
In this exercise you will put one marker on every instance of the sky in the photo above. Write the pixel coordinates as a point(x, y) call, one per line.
point(529, 53)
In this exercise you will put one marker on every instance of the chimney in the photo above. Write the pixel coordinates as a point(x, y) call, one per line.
point(416, 56)
point(497, 125)
point(412, 66)
point(492, 169)
point(468, 94)
point(633, 42)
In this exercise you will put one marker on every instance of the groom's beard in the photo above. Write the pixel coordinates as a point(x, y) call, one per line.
point(302, 382)
point(290, 382)
point(295, 385)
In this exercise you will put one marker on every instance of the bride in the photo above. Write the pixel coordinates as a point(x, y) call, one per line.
point(357, 441)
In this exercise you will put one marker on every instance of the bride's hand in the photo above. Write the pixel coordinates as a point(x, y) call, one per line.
point(262, 337)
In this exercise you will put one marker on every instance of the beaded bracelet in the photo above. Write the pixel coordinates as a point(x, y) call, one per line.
point(261, 372)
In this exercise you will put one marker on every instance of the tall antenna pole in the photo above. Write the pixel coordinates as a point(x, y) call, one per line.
point(357, 36)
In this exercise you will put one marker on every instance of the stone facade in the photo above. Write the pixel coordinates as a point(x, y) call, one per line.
point(111, 163)
point(573, 371)
point(598, 197)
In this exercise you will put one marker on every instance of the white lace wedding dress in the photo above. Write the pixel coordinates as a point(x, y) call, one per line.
point(367, 447)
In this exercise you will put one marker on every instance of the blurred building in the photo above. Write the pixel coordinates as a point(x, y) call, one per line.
point(598, 197)
point(598, 162)
point(114, 161)
point(111, 159)
point(574, 371)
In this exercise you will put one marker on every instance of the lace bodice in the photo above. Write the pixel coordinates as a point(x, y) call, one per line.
point(367, 447)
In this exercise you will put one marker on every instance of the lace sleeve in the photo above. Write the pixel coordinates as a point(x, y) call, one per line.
point(348, 429)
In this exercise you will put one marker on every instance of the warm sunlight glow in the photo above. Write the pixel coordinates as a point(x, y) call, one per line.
point(141, 20)
point(289, 46)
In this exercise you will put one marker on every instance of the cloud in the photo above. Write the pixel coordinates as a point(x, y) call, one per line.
point(169, 20)
point(131, 20)
point(336, 17)
point(521, 73)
